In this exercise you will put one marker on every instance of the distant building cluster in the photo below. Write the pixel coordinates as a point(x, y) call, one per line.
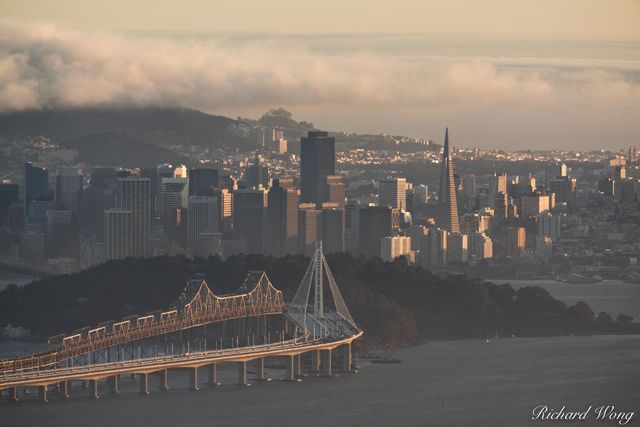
point(76, 218)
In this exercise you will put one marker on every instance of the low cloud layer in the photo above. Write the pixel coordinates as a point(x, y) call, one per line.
point(45, 66)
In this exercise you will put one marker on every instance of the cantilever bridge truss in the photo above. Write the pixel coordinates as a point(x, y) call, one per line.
point(309, 324)
point(196, 306)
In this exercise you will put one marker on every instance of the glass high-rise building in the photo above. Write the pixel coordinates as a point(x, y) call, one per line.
point(36, 185)
point(134, 194)
point(317, 160)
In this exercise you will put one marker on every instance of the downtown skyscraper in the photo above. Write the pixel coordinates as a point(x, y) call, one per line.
point(134, 195)
point(447, 218)
point(317, 160)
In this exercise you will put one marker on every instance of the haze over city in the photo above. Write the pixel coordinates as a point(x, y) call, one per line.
point(544, 75)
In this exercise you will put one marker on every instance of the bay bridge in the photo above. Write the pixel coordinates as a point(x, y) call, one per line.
point(200, 330)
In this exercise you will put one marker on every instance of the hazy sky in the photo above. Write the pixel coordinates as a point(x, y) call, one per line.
point(500, 74)
point(591, 19)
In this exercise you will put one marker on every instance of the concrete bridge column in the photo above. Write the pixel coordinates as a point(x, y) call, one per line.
point(64, 389)
point(164, 380)
point(13, 394)
point(93, 389)
point(346, 357)
point(290, 367)
point(260, 369)
point(42, 392)
point(213, 374)
point(144, 384)
point(326, 362)
point(113, 382)
point(315, 360)
point(296, 365)
point(242, 373)
point(193, 378)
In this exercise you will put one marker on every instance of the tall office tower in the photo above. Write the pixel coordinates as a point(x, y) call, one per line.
point(553, 171)
point(515, 240)
point(281, 231)
point(447, 218)
point(317, 159)
point(9, 194)
point(393, 193)
point(481, 246)
point(174, 194)
point(69, 184)
point(352, 226)
point(458, 247)
point(36, 185)
point(565, 191)
point(225, 212)
point(203, 182)
point(333, 230)
point(92, 207)
point(438, 248)
point(419, 243)
point(309, 227)
point(501, 206)
point(257, 174)
point(549, 226)
point(117, 233)
point(333, 190)
point(375, 222)
point(469, 187)
point(499, 184)
point(134, 194)
point(202, 218)
point(61, 238)
point(535, 203)
point(249, 210)
point(392, 247)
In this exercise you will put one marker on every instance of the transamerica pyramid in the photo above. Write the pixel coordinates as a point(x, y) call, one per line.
point(447, 218)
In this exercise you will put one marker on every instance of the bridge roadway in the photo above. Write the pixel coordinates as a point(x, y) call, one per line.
point(292, 348)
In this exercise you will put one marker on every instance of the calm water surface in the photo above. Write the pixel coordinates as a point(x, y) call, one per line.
point(448, 383)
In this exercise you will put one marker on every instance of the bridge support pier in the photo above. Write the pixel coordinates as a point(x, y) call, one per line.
point(290, 368)
point(346, 357)
point(64, 389)
point(144, 384)
point(113, 382)
point(326, 362)
point(242, 373)
point(193, 379)
point(13, 394)
point(164, 380)
point(260, 369)
point(93, 389)
point(296, 366)
point(42, 393)
point(213, 375)
point(315, 360)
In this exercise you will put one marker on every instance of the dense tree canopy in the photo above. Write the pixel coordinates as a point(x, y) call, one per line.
point(393, 302)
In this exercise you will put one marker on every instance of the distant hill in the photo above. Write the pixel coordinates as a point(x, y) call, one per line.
point(111, 149)
point(153, 125)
